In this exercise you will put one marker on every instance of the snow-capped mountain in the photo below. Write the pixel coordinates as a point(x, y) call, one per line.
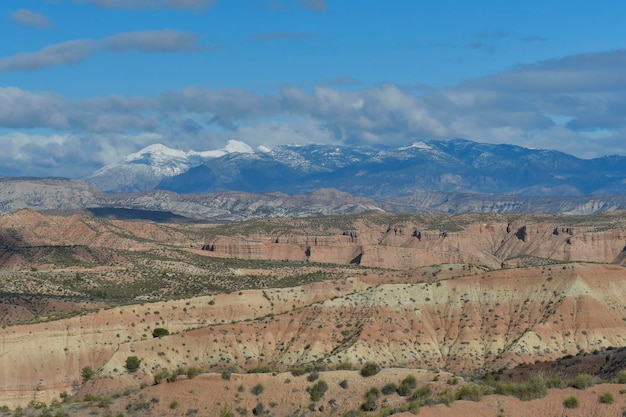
point(143, 170)
point(378, 172)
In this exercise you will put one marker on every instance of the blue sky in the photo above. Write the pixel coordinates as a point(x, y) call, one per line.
point(83, 83)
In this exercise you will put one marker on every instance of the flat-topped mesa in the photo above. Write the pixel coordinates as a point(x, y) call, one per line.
point(493, 243)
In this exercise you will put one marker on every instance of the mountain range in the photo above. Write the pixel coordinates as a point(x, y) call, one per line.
point(459, 166)
point(238, 182)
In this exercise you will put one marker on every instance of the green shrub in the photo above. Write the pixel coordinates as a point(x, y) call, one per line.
point(132, 364)
point(583, 381)
point(410, 381)
point(161, 375)
point(65, 397)
point(318, 390)
point(525, 391)
point(174, 405)
point(257, 389)
point(263, 369)
point(313, 376)
point(193, 371)
point(298, 371)
point(422, 394)
point(555, 382)
point(371, 400)
point(607, 398)
point(370, 369)
point(344, 384)
point(621, 378)
point(406, 386)
point(226, 373)
point(446, 397)
point(160, 332)
point(226, 411)
point(471, 392)
point(259, 409)
point(389, 388)
point(344, 366)
point(87, 373)
point(571, 402)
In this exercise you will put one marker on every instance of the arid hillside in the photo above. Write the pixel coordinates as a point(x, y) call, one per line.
point(406, 242)
point(438, 297)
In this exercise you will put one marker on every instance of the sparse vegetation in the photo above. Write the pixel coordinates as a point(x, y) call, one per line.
point(389, 388)
point(318, 390)
point(160, 332)
point(607, 398)
point(257, 389)
point(369, 369)
point(193, 371)
point(161, 375)
point(132, 364)
point(87, 373)
point(571, 402)
point(583, 381)
point(525, 391)
point(371, 400)
point(406, 386)
point(169, 272)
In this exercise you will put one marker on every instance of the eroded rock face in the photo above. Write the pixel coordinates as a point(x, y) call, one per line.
point(483, 320)
point(495, 243)
point(479, 322)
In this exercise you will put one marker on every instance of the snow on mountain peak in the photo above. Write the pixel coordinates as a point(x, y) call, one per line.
point(418, 145)
point(154, 152)
point(237, 146)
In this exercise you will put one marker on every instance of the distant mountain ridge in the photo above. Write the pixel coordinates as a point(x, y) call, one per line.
point(143, 170)
point(460, 166)
point(70, 196)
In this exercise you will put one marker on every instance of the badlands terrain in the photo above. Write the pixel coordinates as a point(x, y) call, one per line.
point(363, 314)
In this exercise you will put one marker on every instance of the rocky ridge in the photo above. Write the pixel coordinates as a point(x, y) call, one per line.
point(58, 194)
point(495, 241)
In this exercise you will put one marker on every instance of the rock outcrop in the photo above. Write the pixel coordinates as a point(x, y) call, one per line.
point(495, 243)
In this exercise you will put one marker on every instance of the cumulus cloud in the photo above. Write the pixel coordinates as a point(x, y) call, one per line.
point(75, 51)
point(26, 109)
point(28, 18)
point(149, 4)
point(66, 155)
point(576, 104)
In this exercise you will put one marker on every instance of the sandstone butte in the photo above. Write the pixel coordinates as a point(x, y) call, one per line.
point(483, 309)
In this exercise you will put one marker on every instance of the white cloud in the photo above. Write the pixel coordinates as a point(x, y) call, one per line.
point(151, 41)
point(28, 18)
point(514, 106)
point(75, 51)
point(65, 53)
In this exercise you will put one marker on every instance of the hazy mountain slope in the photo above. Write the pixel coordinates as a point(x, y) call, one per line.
point(144, 169)
point(63, 194)
point(444, 166)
